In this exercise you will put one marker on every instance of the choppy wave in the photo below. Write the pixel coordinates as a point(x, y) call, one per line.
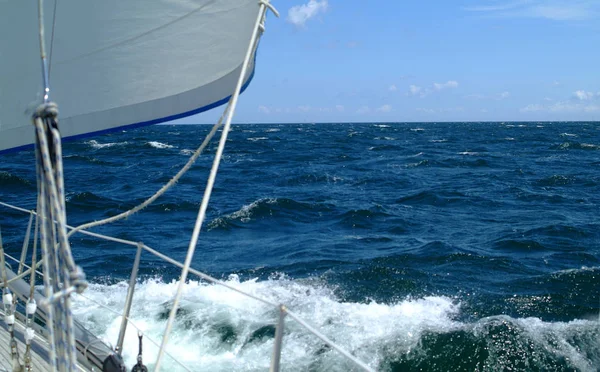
point(95, 144)
point(575, 146)
point(9, 179)
point(499, 248)
point(219, 330)
point(160, 145)
point(277, 209)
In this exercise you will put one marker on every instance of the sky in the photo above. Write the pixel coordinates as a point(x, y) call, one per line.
point(420, 61)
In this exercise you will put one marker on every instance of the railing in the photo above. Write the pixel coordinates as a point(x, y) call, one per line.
point(282, 309)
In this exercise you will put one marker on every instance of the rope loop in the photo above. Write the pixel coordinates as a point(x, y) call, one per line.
point(78, 280)
point(46, 110)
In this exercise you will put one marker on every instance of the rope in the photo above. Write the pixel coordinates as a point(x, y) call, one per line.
point(52, 39)
point(162, 190)
point(24, 265)
point(31, 306)
point(210, 183)
point(43, 50)
point(44, 230)
point(25, 245)
point(57, 257)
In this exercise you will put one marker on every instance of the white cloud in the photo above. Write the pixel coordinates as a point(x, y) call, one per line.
point(339, 108)
point(494, 8)
point(548, 99)
point(264, 109)
point(363, 110)
point(415, 90)
point(533, 108)
point(448, 84)
point(582, 95)
point(572, 107)
point(298, 15)
point(475, 96)
point(393, 88)
point(563, 106)
point(440, 110)
point(484, 110)
point(503, 95)
point(304, 108)
point(384, 108)
point(557, 10)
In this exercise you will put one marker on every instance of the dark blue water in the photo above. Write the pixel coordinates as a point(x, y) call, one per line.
point(435, 246)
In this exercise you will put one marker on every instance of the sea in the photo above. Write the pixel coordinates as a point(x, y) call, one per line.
point(414, 246)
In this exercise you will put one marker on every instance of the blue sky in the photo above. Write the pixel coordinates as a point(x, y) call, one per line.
point(437, 60)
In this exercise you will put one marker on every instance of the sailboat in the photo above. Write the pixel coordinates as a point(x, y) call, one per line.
point(106, 66)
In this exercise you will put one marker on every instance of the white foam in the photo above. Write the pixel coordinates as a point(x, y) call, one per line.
point(244, 214)
point(254, 139)
point(438, 140)
point(271, 130)
point(186, 152)
point(468, 153)
point(590, 146)
point(568, 135)
point(195, 341)
point(160, 145)
point(417, 129)
point(95, 144)
point(214, 330)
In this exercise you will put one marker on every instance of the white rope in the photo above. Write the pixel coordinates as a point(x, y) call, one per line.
point(211, 181)
point(73, 278)
point(162, 190)
point(44, 231)
point(24, 265)
point(25, 245)
point(57, 256)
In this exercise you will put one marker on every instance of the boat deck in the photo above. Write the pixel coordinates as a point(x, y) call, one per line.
point(39, 349)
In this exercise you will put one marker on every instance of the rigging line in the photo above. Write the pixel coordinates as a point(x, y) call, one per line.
point(52, 40)
point(211, 180)
point(163, 189)
point(328, 341)
point(134, 326)
point(33, 258)
point(43, 50)
point(25, 245)
point(24, 265)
